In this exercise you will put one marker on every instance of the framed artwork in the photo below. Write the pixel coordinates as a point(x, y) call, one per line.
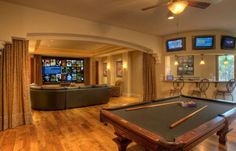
point(105, 69)
point(119, 68)
point(186, 65)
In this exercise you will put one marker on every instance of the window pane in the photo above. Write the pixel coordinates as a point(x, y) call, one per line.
point(226, 71)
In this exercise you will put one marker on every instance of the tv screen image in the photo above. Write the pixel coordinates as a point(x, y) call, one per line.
point(175, 44)
point(228, 42)
point(204, 42)
point(56, 70)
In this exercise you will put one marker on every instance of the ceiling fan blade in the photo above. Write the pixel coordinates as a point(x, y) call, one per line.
point(150, 7)
point(197, 4)
point(154, 6)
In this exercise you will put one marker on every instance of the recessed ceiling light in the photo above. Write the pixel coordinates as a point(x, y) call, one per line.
point(171, 17)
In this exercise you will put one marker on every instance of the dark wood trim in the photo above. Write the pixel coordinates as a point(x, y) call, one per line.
point(96, 72)
point(217, 67)
point(234, 66)
point(32, 70)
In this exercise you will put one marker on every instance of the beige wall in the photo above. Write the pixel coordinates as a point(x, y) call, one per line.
point(136, 73)
point(102, 78)
point(132, 75)
point(201, 71)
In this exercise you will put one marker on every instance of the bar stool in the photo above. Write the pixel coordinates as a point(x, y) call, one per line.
point(230, 86)
point(202, 88)
point(178, 85)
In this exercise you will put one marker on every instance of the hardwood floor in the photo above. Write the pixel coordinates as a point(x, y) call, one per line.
point(80, 130)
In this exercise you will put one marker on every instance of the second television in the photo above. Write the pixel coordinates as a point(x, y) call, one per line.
point(203, 42)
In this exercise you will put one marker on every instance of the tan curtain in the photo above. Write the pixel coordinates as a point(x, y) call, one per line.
point(1, 73)
point(15, 100)
point(149, 77)
point(38, 79)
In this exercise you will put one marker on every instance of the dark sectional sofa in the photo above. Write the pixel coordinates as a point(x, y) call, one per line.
point(59, 98)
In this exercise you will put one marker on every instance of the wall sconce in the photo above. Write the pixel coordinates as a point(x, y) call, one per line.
point(124, 65)
point(108, 66)
point(202, 62)
point(176, 63)
point(226, 62)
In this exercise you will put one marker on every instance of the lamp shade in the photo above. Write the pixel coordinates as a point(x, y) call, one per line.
point(202, 62)
point(226, 62)
point(178, 6)
point(176, 63)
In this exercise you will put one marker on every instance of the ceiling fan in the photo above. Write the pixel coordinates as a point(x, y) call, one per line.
point(178, 6)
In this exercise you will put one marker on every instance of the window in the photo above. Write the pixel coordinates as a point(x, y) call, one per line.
point(225, 67)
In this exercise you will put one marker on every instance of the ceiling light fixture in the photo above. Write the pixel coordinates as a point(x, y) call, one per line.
point(170, 15)
point(108, 66)
point(202, 62)
point(177, 6)
point(226, 62)
point(176, 63)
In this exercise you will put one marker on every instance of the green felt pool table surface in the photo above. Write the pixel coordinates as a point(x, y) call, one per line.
point(158, 119)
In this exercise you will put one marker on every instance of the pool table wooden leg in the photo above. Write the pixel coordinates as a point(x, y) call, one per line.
point(122, 143)
point(223, 134)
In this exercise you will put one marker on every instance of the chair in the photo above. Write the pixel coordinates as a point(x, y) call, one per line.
point(230, 86)
point(178, 85)
point(203, 86)
point(116, 89)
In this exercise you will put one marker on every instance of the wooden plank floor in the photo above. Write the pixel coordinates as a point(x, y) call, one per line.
point(80, 130)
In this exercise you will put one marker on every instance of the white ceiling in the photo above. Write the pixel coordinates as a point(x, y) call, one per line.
point(128, 14)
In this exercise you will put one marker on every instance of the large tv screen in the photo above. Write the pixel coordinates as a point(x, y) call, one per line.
point(175, 44)
point(228, 42)
point(57, 70)
point(203, 42)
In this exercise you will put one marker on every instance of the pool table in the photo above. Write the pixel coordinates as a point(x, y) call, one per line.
point(150, 126)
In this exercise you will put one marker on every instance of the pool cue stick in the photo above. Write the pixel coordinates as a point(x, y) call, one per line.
point(149, 106)
point(187, 117)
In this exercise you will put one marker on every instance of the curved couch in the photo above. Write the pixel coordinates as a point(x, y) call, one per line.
point(45, 98)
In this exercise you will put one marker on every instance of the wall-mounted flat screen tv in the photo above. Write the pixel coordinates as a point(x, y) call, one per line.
point(57, 70)
point(228, 42)
point(177, 44)
point(203, 42)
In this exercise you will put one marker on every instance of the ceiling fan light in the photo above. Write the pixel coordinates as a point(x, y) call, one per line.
point(178, 6)
point(171, 16)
